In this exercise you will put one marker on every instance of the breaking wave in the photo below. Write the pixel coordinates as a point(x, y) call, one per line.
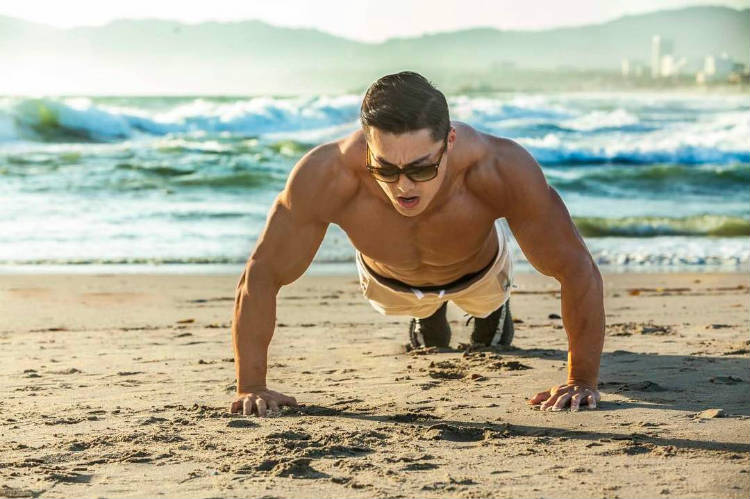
point(555, 131)
point(702, 225)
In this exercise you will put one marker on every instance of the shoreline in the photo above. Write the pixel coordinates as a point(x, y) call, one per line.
point(324, 269)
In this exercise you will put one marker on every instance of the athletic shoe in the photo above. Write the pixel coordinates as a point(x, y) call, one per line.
point(432, 331)
point(495, 329)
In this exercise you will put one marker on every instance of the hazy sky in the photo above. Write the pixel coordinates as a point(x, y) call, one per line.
point(360, 20)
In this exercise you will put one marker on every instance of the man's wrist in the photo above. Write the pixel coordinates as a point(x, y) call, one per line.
point(585, 383)
point(251, 387)
point(583, 368)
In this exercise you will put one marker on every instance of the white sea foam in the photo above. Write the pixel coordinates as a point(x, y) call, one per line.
point(595, 120)
point(556, 129)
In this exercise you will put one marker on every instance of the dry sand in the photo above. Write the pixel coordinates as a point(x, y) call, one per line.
point(119, 386)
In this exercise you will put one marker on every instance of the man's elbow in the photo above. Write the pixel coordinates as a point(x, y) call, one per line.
point(583, 268)
point(256, 276)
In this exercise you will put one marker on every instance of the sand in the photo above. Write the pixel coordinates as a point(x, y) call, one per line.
point(119, 386)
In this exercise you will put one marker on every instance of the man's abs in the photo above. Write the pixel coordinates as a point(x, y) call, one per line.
point(415, 271)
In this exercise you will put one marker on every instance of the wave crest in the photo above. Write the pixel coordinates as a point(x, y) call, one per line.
point(650, 226)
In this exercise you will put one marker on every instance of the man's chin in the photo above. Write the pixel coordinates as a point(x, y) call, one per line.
point(407, 212)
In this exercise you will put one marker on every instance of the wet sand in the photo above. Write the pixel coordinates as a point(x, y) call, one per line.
point(119, 386)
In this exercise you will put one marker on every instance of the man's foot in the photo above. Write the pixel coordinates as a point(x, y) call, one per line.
point(432, 331)
point(495, 329)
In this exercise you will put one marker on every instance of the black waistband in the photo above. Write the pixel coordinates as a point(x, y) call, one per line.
point(457, 282)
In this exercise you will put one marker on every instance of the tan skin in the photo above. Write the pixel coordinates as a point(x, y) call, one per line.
point(449, 233)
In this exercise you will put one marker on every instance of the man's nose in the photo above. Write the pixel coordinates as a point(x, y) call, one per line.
point(404, 184)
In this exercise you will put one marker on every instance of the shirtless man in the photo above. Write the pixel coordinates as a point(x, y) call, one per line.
point(418, 196)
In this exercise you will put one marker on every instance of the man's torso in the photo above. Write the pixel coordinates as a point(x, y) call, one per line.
point(455, 236)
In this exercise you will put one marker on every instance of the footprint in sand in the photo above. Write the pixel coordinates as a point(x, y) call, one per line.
point(454, 433)
point(419, 467)
point(412, 417)
point(641, 386)
point(241, 423)
point(297, 468)
point(72, 370)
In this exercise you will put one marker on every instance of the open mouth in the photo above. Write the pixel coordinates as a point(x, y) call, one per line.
point(408, 202)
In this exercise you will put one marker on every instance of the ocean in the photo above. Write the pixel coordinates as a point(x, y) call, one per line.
point(654, 181)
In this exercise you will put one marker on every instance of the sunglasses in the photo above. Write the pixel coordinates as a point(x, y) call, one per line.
point(416, 173)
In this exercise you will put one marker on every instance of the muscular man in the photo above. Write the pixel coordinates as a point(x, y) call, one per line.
point(418, 196)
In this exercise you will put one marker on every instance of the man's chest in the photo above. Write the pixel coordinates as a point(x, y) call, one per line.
point(451, 235)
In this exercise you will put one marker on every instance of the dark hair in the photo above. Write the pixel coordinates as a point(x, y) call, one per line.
point(405, 102)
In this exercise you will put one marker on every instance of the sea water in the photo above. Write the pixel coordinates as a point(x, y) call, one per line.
point(653, 181)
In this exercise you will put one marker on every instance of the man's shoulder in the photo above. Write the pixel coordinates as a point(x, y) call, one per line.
point(335, 156)
point(503, 156)
point(321, 180)
point(504, 171)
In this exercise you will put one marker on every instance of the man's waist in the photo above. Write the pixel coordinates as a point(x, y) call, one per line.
point(457, 282)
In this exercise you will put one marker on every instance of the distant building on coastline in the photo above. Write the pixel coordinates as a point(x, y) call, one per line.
point(672, 66)
point(722, 69)
point(632, 68)
point(717, 68)
point(664, 63)
point(660, 47)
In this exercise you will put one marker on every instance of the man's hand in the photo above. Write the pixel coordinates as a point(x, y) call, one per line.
point(558, 397)
point(260, 401)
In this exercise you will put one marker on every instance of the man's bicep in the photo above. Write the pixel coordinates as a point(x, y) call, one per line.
point(542, 225)
point(288, 243)
point(295, 225)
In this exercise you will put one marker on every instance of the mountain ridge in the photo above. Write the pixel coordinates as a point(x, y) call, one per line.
point(166, 56)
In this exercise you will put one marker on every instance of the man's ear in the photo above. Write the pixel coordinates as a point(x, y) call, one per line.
point(451, 133)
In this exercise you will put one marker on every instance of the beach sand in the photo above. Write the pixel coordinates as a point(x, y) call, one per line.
point(119, 386)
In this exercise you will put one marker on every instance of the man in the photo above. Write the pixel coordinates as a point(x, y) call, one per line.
point(418, 196)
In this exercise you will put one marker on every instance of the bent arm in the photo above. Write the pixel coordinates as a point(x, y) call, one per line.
point(548, 237)
point(286, 247)
point(581, 289)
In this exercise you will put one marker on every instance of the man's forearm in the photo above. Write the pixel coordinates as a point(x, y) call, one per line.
point(583, 317)
point(252, 328)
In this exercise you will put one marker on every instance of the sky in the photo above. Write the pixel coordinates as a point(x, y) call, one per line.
point(370, 21)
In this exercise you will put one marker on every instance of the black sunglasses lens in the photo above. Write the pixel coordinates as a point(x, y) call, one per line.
point(423, 174)
point(385, 176)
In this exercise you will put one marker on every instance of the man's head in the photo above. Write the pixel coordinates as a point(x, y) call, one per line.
point(406, 124)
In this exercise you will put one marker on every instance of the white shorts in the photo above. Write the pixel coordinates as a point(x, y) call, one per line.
point(479, 296)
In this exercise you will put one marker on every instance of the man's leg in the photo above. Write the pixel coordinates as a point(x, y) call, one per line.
point(495, 329)
point(432, 331)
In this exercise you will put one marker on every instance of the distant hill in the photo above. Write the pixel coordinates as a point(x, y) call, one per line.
point(252, 57)
point(696, 31)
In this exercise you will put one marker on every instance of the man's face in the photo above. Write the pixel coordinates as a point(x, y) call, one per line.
point(386, 149)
